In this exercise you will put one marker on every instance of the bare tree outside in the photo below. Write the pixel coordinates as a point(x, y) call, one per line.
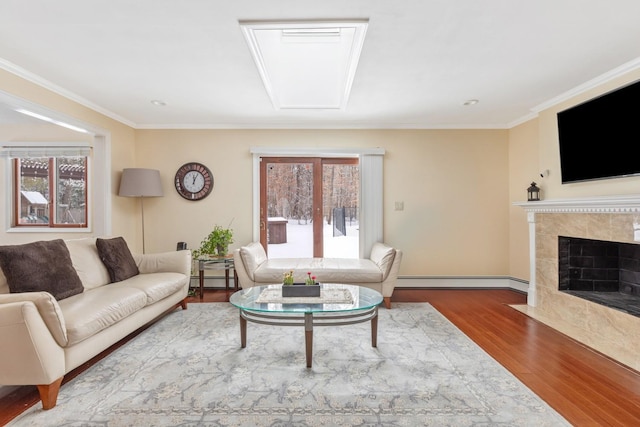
point(290, 201)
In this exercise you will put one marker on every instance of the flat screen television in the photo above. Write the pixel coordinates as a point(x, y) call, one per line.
point(600, 138)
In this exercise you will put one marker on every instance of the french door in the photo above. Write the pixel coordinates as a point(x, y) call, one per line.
point(309, 207)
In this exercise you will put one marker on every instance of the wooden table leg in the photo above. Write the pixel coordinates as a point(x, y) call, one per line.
point(243, 331)
point(226, 277)
point(374, 330)
point(201, 284)
point(308, 338)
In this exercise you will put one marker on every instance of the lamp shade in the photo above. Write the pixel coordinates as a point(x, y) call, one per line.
point(138, 182)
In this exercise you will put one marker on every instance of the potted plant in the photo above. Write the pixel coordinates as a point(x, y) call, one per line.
point(216, 243)
point(310, 280)
point(287, 278)
point(310, 288)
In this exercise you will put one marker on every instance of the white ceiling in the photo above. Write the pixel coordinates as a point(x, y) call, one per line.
point(421, 59)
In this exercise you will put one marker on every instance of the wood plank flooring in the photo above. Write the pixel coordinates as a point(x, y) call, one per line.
point(587, 388)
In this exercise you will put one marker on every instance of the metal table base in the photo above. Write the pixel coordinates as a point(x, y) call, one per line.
point(308, 320)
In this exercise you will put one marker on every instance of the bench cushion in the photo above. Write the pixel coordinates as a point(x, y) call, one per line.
point(326, 270)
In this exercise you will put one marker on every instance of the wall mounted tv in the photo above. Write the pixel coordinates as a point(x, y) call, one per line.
point(600, 138)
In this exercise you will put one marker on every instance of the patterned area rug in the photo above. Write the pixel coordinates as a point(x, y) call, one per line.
point(188, 369)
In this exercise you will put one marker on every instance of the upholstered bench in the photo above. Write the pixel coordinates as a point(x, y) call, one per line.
point(379, 272)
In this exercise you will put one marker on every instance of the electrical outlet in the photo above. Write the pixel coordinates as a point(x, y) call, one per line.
point(399, 206)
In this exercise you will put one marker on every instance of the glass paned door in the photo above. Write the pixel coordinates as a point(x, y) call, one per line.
point(287, 208)
point(340, 205)
point(309, 207)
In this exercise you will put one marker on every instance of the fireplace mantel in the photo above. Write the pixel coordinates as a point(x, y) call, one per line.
point(626, 204)
point(608, 204)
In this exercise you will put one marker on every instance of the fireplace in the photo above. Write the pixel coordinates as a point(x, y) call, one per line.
point(613, 331)
point(604, 272)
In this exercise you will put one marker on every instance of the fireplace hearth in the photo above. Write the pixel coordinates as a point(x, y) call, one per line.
point(603, 272)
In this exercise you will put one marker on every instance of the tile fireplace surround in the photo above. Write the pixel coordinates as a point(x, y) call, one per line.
point(609, 331)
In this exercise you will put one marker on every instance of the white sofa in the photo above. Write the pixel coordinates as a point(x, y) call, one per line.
point(44, 338)
point(379, 272)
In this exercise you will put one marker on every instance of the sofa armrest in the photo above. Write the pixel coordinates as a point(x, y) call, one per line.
point(163, 262)
point(47, 308)
point(30, 354)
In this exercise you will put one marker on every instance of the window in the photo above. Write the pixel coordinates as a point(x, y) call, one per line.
point(50, 191)
point(49, 186)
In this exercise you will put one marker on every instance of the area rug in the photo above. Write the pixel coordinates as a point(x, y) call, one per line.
point(189, 370)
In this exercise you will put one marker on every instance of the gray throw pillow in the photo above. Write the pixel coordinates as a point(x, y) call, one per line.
point(40, 266)
point(116, 256)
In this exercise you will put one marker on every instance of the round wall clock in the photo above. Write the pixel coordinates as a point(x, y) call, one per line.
point(194, 181)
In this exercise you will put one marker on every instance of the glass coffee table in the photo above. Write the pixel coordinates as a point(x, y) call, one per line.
point(337, 305)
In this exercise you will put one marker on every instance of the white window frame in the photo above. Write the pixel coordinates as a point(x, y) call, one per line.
point(48, 150)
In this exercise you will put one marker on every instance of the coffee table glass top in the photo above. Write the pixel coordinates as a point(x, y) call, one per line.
point(342, 298)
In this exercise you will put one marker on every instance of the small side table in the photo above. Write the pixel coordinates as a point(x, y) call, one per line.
point(217, 263)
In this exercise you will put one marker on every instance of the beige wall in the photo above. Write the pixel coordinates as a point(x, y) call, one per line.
point(454, 185)
point(523, 170)
point(457, 186)
point(122, 146)
point(550, 158)
point(533, 147)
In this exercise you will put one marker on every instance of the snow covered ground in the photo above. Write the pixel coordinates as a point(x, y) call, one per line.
point(300, 242)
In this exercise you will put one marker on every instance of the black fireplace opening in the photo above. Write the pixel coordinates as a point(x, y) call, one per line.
point(603, 272)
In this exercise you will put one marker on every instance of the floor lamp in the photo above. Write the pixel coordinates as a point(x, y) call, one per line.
point(138, 182)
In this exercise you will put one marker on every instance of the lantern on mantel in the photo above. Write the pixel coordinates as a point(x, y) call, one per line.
point(533, 193)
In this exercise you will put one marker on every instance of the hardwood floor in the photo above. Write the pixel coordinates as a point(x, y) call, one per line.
point(587, 388)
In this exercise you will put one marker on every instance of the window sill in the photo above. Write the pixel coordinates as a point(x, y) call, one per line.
point(48, 230)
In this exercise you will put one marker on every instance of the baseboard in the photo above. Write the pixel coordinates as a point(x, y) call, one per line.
point(7, 389)
point(211, 282)
point(463, 282)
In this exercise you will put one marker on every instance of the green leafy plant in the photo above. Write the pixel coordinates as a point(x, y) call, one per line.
point(216, 243)
point(310, 280)
point(287, 279)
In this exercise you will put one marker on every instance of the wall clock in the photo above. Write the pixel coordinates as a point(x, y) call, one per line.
point(194, 181)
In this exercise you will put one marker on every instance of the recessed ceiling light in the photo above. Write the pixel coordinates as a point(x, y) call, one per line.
point(470, 102)
point(308, 64)
point(158, 102)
